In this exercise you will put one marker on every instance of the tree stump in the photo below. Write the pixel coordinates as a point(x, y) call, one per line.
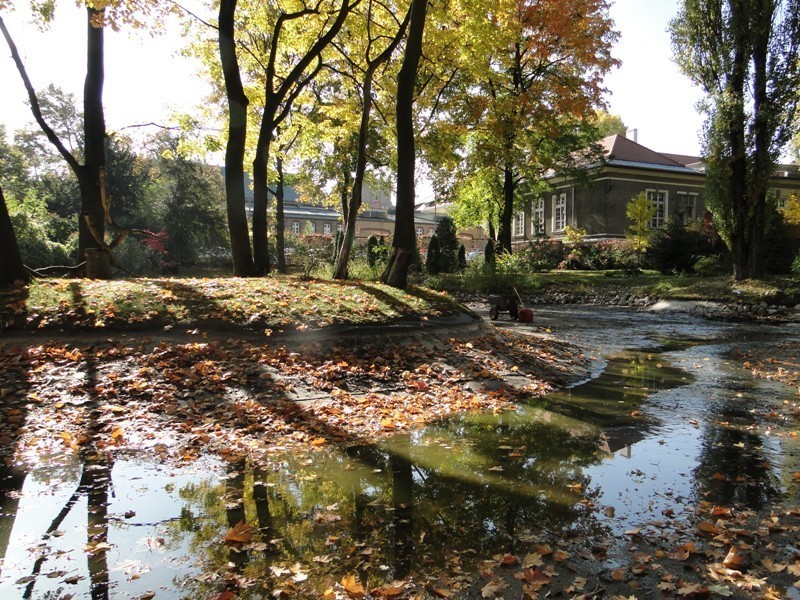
point(98, 263)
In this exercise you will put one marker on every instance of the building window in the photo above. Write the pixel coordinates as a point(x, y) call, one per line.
point(326, 228)
point(777, 198)
point(420, 231)
point(687, 206)
point(658, 200)
point(519, 224)
point(431, 230)
point(339, 227)
point(296, 227)
point(312, 227)
point(537, 223)
point(559, 212)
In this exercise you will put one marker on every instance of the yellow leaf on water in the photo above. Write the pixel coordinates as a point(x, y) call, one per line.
point(241, 533)
point(353, 588)
point(707, 527)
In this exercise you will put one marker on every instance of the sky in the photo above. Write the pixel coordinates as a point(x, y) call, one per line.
point(146, 81)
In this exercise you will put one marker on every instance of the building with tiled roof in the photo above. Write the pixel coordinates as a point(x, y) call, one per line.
point(674, 183)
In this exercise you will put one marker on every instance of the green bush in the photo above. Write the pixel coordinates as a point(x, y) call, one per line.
point(712, 265)
point(512, 264)
point(433, 259)
point(676, 248)
point(796, 265)
point(35, 246)
point(544, 255)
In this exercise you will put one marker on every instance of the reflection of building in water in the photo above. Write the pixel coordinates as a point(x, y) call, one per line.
point(620, 441)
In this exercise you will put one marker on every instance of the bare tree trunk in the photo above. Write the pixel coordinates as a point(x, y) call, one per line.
point(356, 199)
point(507, 213)
point(94, 127)
point(11, 267)
point(280, 224)
point(403, 246)
point(738, 169)
point(350, 213)
point(234, 151)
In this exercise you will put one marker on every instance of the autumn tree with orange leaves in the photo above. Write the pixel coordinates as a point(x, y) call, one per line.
point(527, 101)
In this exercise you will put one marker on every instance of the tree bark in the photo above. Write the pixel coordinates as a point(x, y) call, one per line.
point(234, 150)
point(280, 221)
point(762, 161)
point(403, 245)
point(277, 105)
point(507, 212)
point(11, 267)
point(738, 158)
point(356, 199)
point(94, 126)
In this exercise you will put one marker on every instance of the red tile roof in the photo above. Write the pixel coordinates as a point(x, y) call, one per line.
point(621, 148)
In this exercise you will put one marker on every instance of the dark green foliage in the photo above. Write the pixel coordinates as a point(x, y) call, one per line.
point(433, 259)
point(337, 244)
point(462, 258)
point(780, 246)
point(490, 255)
point(675, 248)
point(372, 244)
point(448, 245)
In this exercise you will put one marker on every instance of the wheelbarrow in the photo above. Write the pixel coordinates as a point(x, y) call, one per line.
point(503, 303)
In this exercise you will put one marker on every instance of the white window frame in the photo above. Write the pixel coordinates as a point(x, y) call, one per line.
point(312, 227)
point(339, 227)
point(537, 222)
point(296, 227)
point(659, 199)
point(519, 224)
point(559, 212)
point(431, 231)
point(687, 204)
point(778, 198)
point(326, 228)
point(420, 232)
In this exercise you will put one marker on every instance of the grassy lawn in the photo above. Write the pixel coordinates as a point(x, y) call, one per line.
point(292, 303)
point(277, 303)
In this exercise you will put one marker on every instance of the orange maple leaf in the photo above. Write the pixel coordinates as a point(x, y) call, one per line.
point(241, 533)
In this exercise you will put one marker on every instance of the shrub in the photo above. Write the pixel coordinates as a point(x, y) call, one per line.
point(448, 245)
point(709, 266)
point(796, 265)
point(512, 264)
point(676, 248)
point(544, 255)
point(433, 260)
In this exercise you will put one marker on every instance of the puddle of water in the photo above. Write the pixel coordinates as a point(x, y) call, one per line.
point(439, 499)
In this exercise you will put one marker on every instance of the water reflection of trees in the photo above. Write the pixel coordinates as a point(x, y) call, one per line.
point(387, 512)
point(609, 399)
point(733, 466)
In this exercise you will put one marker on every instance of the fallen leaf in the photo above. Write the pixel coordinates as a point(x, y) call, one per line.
point(707, 527)
point(354, 589)
point(241, 533)
point(491, 589)
point(532, 559)
point(733, 559)
point(773, 567)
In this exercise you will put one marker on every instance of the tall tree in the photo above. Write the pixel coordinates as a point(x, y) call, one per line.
point(527, 98)
point(281, 90)
point(377, 31)
point(744, 55)
point(91, 224)
point(243, 265)
point(405, 237)
point(11, 267)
